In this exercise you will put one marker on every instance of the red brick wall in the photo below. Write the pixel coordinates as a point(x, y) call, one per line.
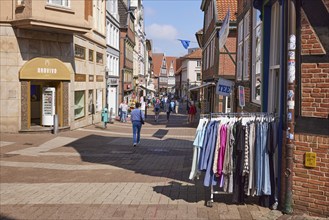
point(315, 89)
point(311, 185)
point(226, 66)
point(309, 40)
point(247, 94)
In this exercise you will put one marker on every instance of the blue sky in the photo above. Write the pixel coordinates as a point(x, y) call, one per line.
point(169, 20)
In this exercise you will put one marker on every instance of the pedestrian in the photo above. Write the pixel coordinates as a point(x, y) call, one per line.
point(176, 106)
point(157, 106)
point(191, 112)
point(167, 109)
point(137, 118)
point(143, 105)
point(172, 105)
point(124, 111)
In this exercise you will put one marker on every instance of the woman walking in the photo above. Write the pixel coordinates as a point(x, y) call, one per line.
point(191, 112)
point(137, 119)
point(157, 106)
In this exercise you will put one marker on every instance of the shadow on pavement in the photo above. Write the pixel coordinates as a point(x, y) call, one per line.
point(155, 159)
point(3, 217)
point(175, 120)
point(196, 193)
point(170, 158)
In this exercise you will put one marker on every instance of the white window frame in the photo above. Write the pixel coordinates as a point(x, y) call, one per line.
point(240, 52)
point(99, 100)
point(90, 101)
point(246, 33)
point(274, 84)
point(99, 17)
point(79, 104)
point(256, 61)
point(61, 3)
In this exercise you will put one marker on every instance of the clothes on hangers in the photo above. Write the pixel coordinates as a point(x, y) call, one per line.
point(237, 153)
point(198, 141)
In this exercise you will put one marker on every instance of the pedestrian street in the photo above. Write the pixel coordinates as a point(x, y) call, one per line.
point(96, 173)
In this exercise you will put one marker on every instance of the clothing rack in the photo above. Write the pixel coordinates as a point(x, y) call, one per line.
point(232, 114)
point(248, 114)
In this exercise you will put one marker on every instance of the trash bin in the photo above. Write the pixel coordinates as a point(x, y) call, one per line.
point(105, 116)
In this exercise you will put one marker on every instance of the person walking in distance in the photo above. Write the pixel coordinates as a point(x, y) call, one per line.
point(191, 112)
point(176, 106)
point(167, 109)
point(137, 119)
point(157, 106)
point(124, 111)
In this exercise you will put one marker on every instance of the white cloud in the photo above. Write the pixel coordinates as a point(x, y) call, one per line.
point(164, 32)
point(149, 12)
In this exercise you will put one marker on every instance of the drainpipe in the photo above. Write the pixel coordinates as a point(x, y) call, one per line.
point(290, 128)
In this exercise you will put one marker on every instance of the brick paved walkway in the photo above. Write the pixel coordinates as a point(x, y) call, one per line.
point(95, 173)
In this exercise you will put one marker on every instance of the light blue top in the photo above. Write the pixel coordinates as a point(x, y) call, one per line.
point(136, 115)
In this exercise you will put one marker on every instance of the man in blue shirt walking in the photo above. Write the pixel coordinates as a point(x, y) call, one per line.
point(137, 119)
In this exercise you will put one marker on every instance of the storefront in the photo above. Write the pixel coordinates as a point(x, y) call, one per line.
point(45, 92)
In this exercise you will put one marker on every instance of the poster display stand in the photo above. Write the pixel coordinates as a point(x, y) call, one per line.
point(48, 106)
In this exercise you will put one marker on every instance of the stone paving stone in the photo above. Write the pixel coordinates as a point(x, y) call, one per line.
point(150, 212)
point(244, 212)
point(100, 176)
point(202, 213)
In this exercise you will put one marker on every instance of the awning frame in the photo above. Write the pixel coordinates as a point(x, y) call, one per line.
point(203, 85)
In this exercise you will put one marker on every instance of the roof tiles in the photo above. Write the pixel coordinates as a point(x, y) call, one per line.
point(223, 6)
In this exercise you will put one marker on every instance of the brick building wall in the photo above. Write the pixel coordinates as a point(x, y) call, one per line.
point(310, 42)
point(311, 185)
point(226, 66)
point(315, 90)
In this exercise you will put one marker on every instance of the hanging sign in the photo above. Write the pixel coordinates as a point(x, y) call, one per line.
point(241, 96)
point(224, 87)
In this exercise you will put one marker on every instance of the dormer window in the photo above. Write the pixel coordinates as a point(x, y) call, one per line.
point(164, 63)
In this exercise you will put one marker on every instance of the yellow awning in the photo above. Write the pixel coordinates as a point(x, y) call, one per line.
point(45, 69)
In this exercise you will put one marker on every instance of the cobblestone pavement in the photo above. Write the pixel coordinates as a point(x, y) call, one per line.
point(95, 173)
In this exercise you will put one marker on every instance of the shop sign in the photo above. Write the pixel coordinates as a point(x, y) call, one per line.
point(112, 81)
point(45, 69)
point(224, 87)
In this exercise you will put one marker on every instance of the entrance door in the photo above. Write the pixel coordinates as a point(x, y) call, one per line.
point(112, 99)
point(36, 98)
point(35, 104)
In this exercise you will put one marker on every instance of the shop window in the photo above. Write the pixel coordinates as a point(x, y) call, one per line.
point(79, 52)
point(99, 58)
point(99, 100)
point(90, 102)
point(91, 55)
point(79, 104)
